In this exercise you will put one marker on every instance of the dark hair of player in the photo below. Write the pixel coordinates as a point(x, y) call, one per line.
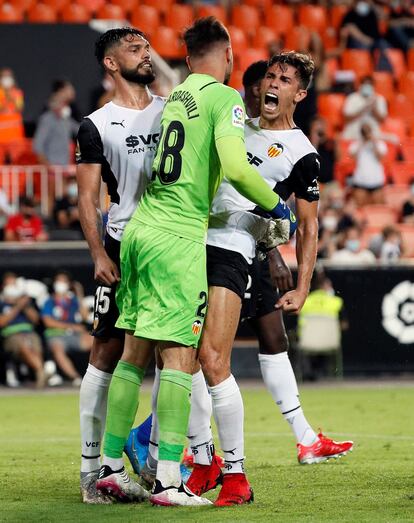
point(113, 38)
point(254, 73)
point(203, 34)
point(303, 64)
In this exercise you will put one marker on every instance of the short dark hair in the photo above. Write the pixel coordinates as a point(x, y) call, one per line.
point(303, 63)
point(25, 201)
point(254, 73)
point(112, 38)
point(203, 34)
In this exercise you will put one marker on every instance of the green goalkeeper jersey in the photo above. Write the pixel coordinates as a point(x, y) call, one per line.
point(186, 169)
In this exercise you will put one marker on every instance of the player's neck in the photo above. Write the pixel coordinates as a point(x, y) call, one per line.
point(280, 123)
point(132, 96)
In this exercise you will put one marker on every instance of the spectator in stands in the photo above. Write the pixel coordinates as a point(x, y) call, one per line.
point(369, 178)
point(329, 219)
point(401, 24)
point(26, 226)
point(326, 149)
point(360, 27)
point(11, 97)
point(103, 93)
point(18, 318)
point(55, 130)
point(65, 89)
point(391, 245)
point(5, 211)
point(351, 251)
point(252, 79)
point(65, 331)
point(66, 213)
point(365, 105)
point(408, 207)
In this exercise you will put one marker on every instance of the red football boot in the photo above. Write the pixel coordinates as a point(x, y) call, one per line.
point(236, 490)
point(205, 477)
point(323, 449)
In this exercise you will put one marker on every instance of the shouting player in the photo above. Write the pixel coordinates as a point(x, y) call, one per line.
point(163, 290)
point(289, 164)
point(116, 145)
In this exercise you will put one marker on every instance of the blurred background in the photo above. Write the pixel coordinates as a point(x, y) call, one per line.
point(359, 115)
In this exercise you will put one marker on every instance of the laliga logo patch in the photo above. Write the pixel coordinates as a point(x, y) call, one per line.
point(398, 312)
point(196, 327)
point(238, 116)
point(276, 149)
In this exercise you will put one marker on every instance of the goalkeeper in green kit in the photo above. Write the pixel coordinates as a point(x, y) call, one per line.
point(162, 296)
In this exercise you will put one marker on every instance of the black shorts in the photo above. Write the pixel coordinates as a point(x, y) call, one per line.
point(260, 297)
point(105, 310)
point(227, 269)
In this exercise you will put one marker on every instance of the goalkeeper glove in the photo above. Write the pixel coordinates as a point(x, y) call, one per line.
point(282, 211)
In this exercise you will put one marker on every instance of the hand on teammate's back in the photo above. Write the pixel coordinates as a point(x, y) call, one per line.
point(106, 271)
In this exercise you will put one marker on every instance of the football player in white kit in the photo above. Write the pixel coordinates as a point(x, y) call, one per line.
point(289, 163)
point(116, 145)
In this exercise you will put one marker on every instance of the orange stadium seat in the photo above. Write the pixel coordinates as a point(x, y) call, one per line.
point(10, 14)
point(298, 38)
point(407, 234)
point(410, 59)
point(406, 84)
point(110, 12)
point(384, 84)
point(330, 106)
point(313, 17)
point(21, 5)
point(402, 172)
point(395, 195)
point(279, 18)
point(147, 18)
point(378, 215)
point(261, 4)
point(329, 39)
point(238, 40)
point(236, 80)
point(263, 37)
point(397, 59)
point(57, 5)
point(42, 14)
point(166, 42)
point(246, 18)
point(127, 5)
point(179, 17)
point(75, 14)
point(337, 13)
point(163, 7)
point(250, 56)
point(91, 5)
point(213, 10)
point(357, 60)
point(395, 126)
point(401, 107)
point(407, 149)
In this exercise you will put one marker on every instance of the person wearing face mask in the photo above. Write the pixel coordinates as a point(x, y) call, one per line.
point(360, 28)
point(351, 251)
point(363, 106)
point(18, 319)
point(64, 330)
point(400, 24)
point(11, 97)
point(65, 213)
point(26, 226)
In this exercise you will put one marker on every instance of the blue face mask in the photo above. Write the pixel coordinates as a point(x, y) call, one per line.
point(353, 245)
point(72, 190)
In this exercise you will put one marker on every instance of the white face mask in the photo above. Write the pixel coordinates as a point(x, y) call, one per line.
point(362, 8)
point(66, 111)
point(7, 81)
point(61, 287)
point(366, 90)
point(12, 291)
point(72, 190)
point(330, 223)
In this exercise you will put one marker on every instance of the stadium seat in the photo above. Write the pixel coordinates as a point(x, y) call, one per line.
point(20, 5)
point(407, 149)
point(238, 40)
point(313, 17)
point(337, 13)
point(213, 10)
point(402, 172)
point(298, 39)
point(330, 106)
point(384, 84)
point(261, 4)
point(407, 234)
point(378, 215)
point(396, 194)
point(236, 80)
point(410, 59)
point(329, 39)
point(179, 17)
point(57, 5)
point(263, 37)
point(395, 126)
point(406, 84)
point(401, 107)
point(357, 60)
point(279, 18)
point(166, 42)
point(147, 17)
point(75, 14)
point(91, 5)
point(110, 12)
point(10, 14)
point(246, 18)
point(42, 14)
point(127, 5)
point(250, 56)
point(162, 7)
point(397, 60)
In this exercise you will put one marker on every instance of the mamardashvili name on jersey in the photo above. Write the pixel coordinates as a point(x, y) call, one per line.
point(123, 141)
point(290, 165)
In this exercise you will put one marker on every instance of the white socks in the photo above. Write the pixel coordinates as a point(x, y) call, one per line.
point(168, 473)
point(280, 381)
point(199, 427)
point(92, 406)
point(152, 457)
point(228, 412)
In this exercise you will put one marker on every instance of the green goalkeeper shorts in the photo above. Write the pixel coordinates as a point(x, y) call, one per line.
point(162, 295)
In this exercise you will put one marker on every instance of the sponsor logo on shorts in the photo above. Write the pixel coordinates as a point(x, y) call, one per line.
point(276, 149)
point(238, 116)
point(196, 327)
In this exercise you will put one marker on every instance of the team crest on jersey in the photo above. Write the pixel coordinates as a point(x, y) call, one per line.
point(238, 116)
point(276, 149)
point(196, 327)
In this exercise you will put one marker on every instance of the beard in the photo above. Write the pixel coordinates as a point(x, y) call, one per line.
point(132, 75)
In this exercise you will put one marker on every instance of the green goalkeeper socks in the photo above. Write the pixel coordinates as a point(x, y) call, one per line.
point(123, 399)
point(173, 411)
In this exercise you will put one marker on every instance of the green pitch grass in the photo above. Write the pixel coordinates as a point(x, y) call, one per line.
point(39, 460)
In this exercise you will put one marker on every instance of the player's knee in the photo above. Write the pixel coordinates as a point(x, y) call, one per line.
point(214, 365)
point(105, 354)
point(275, 344)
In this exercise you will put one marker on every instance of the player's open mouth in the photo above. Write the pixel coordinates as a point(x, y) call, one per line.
point(146, 64)
point(271, 101)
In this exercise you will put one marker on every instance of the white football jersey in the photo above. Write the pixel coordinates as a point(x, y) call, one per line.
point(123, 141)
point(287, 161)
